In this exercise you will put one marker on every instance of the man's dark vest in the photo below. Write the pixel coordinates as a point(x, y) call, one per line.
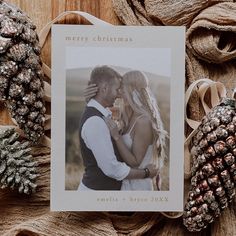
point(93, 177)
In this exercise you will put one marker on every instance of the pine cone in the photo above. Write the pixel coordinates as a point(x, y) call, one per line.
point(214, 166)
point(21, 75)
point(17, 169)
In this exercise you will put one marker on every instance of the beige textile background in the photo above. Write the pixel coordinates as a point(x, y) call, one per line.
point(211, 52)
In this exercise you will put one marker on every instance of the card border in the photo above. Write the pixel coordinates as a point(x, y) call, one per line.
point(65, 200)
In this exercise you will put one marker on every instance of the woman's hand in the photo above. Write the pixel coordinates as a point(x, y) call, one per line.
point(112, 126)
point(90, 91)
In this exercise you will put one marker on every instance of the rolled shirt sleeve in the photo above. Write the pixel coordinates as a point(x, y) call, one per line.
point(97, 138)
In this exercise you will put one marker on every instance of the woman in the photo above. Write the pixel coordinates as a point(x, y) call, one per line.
point(141, 140)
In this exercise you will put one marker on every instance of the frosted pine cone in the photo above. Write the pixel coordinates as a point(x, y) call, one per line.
point(21, 76)
point(214, 166)
point(17, 169)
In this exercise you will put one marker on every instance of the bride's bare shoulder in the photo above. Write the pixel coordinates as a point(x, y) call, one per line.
point(144, 121)
point(144, 129)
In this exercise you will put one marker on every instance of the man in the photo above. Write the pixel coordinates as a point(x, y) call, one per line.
point(104, 169)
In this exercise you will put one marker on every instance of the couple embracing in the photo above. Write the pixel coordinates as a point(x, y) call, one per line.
point(128, 158)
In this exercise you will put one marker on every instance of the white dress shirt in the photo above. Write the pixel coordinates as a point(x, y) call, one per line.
point(97, 138)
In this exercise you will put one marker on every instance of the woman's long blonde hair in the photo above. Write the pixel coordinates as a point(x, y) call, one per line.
point(141, 100)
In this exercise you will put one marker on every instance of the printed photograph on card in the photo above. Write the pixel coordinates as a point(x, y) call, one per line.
point(117, 118)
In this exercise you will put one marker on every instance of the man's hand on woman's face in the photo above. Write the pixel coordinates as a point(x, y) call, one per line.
point(90, 91)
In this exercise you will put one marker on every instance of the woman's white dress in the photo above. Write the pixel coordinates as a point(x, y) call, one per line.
point(138, 184)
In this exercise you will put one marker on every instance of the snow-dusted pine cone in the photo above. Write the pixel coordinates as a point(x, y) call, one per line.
point(17, 168)
point(21, 75)
point(214, 166)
